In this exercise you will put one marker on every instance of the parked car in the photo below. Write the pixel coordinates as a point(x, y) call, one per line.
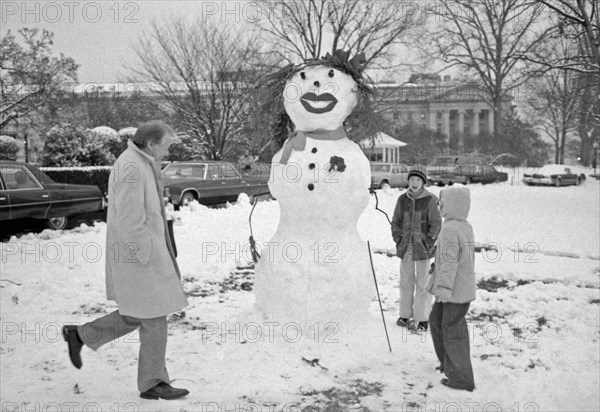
point(442, 164)
point(445, 176)
point(209, 182)
point(554, 175)
point(388, 175)
point(27, 192)
point(467, 174)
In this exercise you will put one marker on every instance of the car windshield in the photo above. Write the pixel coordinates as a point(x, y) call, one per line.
point(380, 168)
point(39, 175)
point(229, 171)
point(189, 171)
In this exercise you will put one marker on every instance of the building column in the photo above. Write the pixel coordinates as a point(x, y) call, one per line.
point(461, 121)
point(432, 120)
point(461, 129)
point(446, 125)
point(475, 128)
point(491, 121)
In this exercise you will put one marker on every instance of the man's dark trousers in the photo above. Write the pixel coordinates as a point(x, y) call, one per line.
point(451, 342)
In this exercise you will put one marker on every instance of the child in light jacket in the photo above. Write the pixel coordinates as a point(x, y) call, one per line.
point(453, 285)
point(415, 227)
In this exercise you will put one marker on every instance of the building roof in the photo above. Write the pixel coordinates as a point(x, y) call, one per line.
point(435, 92)
point(380, 140)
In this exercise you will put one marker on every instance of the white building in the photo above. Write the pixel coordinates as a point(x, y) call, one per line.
point(454, 109)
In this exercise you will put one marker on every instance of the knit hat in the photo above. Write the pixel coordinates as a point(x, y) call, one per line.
point(420, 172)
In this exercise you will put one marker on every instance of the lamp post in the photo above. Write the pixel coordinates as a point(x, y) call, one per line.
point(595, 155)
point(26, 147)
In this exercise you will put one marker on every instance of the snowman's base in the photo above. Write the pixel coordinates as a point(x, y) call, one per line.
point(337, 345)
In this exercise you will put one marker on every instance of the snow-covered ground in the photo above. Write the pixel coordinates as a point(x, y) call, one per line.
point(534, 327)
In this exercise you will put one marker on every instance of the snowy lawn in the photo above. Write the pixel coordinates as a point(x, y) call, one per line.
point(534, 327)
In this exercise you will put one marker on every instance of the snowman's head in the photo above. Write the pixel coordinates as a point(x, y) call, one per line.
point(316, 95)
point(319, 97)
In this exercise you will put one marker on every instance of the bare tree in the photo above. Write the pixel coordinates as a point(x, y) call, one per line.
point(556, 101)
point(579, 21)
point(488, 38)
point(29, 76)
point(204, 71)
point(308, 29)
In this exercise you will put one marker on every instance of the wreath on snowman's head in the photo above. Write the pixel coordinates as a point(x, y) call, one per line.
point(275, 85)
point(340, 60)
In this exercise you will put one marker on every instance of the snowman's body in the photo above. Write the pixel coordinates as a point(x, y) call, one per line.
point(315, 270)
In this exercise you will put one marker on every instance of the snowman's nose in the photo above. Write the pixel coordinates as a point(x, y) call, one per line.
point(317, 84)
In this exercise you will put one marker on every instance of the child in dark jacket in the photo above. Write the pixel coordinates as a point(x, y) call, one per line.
point(453, 285)
point(415, 227)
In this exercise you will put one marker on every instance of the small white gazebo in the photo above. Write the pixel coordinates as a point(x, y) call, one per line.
point(382, 148)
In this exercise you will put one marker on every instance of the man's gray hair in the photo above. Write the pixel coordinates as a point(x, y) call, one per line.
point(151, 131)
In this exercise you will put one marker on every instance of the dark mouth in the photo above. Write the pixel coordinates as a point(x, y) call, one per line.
point(322, 103)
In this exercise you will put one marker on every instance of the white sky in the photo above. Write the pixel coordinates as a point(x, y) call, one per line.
point(98, 34)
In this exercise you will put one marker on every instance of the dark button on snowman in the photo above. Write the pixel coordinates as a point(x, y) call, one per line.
point(315, 270)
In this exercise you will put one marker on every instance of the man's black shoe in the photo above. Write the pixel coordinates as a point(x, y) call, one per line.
point(75, 343)
point(165, 391)
point(446, 382)
point(440, 368)
point(423, 326)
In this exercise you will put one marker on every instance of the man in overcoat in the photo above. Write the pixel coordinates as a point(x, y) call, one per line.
point(142, 275)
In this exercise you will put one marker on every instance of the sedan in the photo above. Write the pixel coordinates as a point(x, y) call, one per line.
point(554, 175)
point(467, 174)
point(27, 192)
point(209, 182)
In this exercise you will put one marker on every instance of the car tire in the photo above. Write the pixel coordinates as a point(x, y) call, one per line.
point(57, 223)
point(187, 198)
point(384, 185)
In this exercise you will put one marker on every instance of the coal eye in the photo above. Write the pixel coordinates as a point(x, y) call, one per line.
point(330, 73)
point(302, 75)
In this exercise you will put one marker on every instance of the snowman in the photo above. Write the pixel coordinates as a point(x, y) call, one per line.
point(314, 276)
